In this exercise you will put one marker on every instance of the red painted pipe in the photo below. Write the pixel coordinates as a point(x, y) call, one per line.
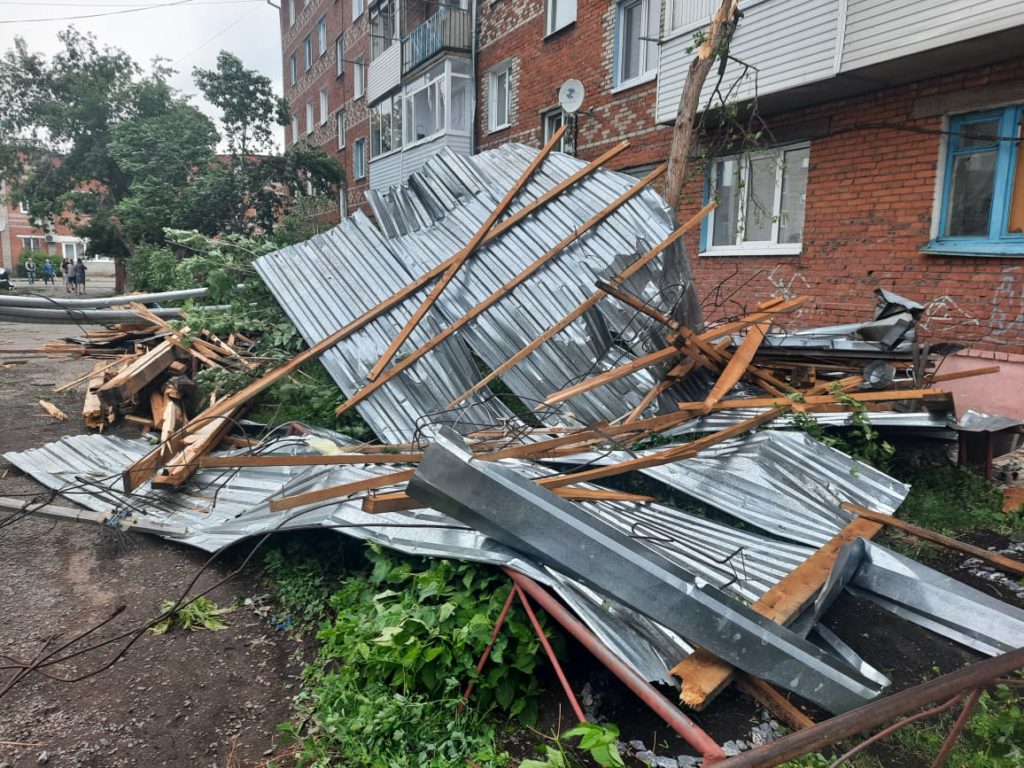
point(539, 630)
point(490, 646)
point(688, 730)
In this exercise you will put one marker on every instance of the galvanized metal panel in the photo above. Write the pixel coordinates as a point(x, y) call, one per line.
point(431, 218)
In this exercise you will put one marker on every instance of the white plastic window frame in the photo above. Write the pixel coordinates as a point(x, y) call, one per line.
point(324, 108)
point(551, 11)
point(321, 36)
point(359, 78)
point(309, 117)
point(340, 120)
point(743, 247)
point(359, 158)
point(648, 69)
point(492, 97)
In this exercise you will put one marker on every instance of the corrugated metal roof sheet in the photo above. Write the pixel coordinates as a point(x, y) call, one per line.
point(331, 279)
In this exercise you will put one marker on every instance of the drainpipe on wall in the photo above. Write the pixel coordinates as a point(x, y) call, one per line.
point(6, 259)
point(472, 76)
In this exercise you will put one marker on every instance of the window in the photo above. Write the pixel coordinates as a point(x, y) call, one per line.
point(636, 41)
point(339, 55)
point(683, 13)
point(340, 118)
point(386, 126)
point(761, 201)
point(22, 207)
point(307, 52)
point(293, 72)
point(499, 98)
point(437, 101)
point(359, 158)
point(551, 122)
point(983, 185)
point(309, 117)
point(31, 243)
point(295, 129)
point(560, 13)
point(383, 27)
point(321, 36)
point(291, 13)
point(359, 73)
point(73, 250)
point(357, 9)
point(343, 201)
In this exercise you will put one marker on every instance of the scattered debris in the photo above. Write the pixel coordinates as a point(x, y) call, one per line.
point(53, 410)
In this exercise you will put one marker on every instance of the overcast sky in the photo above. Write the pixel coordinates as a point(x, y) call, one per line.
point(190, 33)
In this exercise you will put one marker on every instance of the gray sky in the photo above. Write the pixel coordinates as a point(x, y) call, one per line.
point(189, 34)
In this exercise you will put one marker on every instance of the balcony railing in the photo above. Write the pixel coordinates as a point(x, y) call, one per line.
point(450, 29)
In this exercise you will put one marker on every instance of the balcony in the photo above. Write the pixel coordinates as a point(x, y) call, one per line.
point(450, 29)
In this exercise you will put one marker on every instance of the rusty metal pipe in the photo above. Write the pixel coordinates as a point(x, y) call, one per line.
point(871, 715)
point(688, 730)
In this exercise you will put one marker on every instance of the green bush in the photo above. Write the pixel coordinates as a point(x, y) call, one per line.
point(385, 686)
point(40, 257)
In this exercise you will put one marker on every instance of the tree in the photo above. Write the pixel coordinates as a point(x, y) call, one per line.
point(118, 154)
point(260, 185)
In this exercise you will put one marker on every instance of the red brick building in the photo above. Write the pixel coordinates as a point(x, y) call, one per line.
point(19, 234)
point(888, 155)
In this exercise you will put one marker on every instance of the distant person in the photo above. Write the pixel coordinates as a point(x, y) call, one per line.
point(48, 273)
point(79, 276)
point(65, 270)
point(30, 270)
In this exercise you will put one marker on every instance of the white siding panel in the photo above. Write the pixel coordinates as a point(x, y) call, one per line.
point(384, 74)
point(789, 43)
point(880, 30)
point(396, 167)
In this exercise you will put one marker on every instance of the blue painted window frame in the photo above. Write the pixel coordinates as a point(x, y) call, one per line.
point(1000, 241)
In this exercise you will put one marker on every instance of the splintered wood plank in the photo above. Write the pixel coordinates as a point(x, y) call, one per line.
point(502, 291)
point(284, 460)
point(704, 675)
point(182, 465)
point(738, 365)
point(138, 374)
point(992, 558)
point(468, 250)
point(53, 410)
point(654, 358)
point(402, 502)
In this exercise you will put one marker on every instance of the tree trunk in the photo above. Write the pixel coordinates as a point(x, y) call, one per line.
point(682, 134)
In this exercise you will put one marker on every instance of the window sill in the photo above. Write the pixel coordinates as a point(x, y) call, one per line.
point(498, 128)
point(762, 251)
point(556, 32)
point(635, 82)
point(981, 248)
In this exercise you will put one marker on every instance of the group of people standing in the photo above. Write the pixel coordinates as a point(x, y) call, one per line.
point(73, 272)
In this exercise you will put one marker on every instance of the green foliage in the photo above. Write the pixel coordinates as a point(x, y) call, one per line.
point(384, 688)
point(118, 154)
point(860, 440)
point(304, 578)
point(598, 740)
point(954, 500)
point(40, 257)
point(200, 613)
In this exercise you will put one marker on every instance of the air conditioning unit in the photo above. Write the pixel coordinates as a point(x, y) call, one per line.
point(50, 239)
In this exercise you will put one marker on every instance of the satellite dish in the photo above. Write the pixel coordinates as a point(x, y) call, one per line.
point(570, 95)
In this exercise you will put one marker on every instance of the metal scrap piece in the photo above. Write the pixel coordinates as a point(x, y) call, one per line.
point(517, 512)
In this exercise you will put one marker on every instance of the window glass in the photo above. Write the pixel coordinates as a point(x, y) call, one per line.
point(309, 117)
point(383, 27)
point(637, 33)
point(631, 45)
point(970, 195)
point(295, 128)
point(307, 51)
point(339, 54)
point(341, 128)
point(552, 122)
point(979, 134)
point(499, 112)
point(726, 215)
point(794, 195)
point(360, 83)
point(292, 70)
point(760, 202)
point(291, 13)
point(323, 106)
point(560, 13)
point(359, 158)
point(321, 36)
point(460, 105)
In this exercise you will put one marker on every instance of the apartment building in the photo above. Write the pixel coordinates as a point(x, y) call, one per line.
point(383, 85)
point(19, 233)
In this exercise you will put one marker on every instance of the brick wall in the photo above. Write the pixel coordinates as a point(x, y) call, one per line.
point(513, 31)
point(870, 198)
point(323, 74)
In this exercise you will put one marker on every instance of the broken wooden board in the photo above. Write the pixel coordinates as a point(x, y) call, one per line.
point(133, 378)
point(704, 675)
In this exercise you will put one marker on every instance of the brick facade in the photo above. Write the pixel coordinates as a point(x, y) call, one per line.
point(323, 74)
point(871, 194)
point(16, 226)
point(513, 32)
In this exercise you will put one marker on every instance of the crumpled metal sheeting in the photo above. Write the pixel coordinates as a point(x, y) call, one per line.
point(468, 189)
point(224, 506)
point(934, 424)
point(785, 483)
